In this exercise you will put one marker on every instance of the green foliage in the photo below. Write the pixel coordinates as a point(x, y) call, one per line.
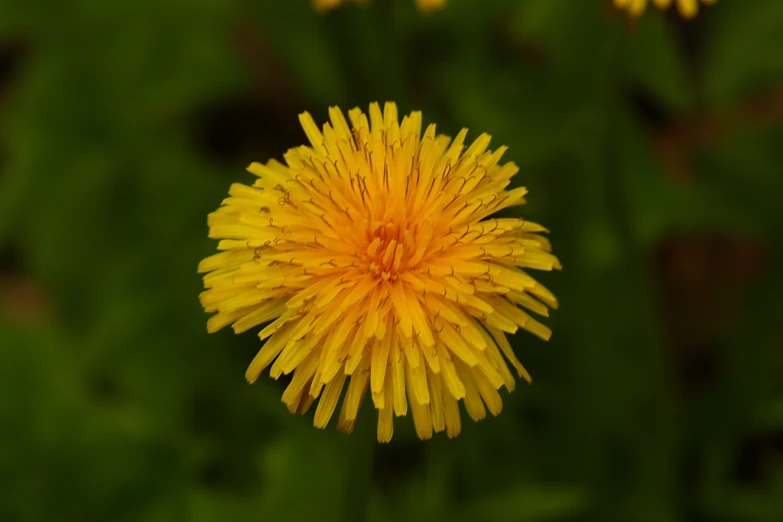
point(123, 123)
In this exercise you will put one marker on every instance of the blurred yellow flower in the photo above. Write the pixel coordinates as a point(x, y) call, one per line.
point(371, 253)
point(687, 8)
point(430, 5)
point(424, 5)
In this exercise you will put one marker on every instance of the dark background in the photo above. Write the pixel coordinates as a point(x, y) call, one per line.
point(653, 150)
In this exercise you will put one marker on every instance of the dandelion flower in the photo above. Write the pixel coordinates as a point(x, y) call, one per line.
point(372, 256)
point(687, 8)
point(423, 5)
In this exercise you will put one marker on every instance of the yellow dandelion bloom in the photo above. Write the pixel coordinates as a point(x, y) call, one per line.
point(687, 8)
point(423, 5)
point(373, 254)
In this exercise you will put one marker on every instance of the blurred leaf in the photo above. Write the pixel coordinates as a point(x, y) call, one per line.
point(770, 416)
point(309, 462)
point(742, 55)
point(655, 65)
point(528, 503)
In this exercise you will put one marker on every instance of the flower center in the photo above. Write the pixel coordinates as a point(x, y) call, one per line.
point(389, 251)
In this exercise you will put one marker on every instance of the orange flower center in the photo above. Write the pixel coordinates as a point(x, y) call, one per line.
point(389, 249)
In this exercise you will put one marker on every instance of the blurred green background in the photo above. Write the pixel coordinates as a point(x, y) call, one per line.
point(652, 150)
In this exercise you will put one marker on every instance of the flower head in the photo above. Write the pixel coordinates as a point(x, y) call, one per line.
point(423, 5)
point(373, 254)
point(687, 8)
